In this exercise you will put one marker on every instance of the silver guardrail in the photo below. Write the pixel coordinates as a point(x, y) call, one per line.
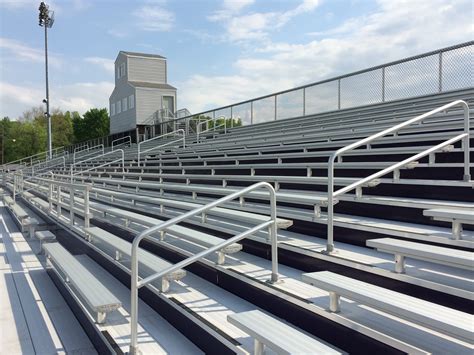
point(271, 224)
point(464, 137)
point(215, 126)
point(88, 150)
point(31, 159)
point(174, 133)
point(116, 152)
point(56, 189)
point(121, 141)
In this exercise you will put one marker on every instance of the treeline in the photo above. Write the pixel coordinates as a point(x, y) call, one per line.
point(28, 135)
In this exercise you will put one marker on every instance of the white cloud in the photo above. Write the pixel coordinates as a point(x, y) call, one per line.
point(397, 29)
point(105, 63)
point(229, 8)
point(154, 17)
point(14, 4)
point(15, 99)
point(54, 5)
point(117, 33)
point(256, 25)
point(20, 51)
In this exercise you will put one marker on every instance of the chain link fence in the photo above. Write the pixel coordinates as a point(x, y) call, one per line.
point(435, 72)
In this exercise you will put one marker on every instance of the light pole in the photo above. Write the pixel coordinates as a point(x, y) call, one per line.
point(46, 20)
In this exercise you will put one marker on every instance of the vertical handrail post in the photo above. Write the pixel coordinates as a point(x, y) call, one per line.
point(71, 205)
point(50, 198)
point(134, 299)
point(14, 186)
point(86, 208)
point(330, 202)
point(274, 235)
point(466, 144)
point(58, 200)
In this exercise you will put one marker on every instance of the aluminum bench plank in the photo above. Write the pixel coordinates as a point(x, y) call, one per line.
point(219, 211)
point(203, 239)
point(44, 235)
point(40, 202)
point(8, 200)
point(274, 154)
point(152, 262)
point(466, 216)
point(99, 298)
point(19, 212)
point(281, 196)
point(277, 335)
point(431, 315)
point(320, 180)
point(157, 336)
point(447, 256)
point(27, 195)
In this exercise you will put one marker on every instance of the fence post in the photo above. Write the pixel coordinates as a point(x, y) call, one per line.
point(440, 72)
point(339, 94)
point(251, 112)
point(304, 101)
point(275, 118)
point(383, 84)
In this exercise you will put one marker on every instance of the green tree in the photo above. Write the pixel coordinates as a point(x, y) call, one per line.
point(61, 127)
point(94, 124)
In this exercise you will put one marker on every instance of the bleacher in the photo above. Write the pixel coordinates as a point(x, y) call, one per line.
point(210, 263)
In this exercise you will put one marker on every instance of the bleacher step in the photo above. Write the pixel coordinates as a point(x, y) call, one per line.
point(443, 319)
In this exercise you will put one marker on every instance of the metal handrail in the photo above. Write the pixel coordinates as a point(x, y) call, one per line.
point(40, 165)
point(201, 123)
point(136, 283)
point(81, 148)
point(332, 160)
point(23, 180)
point(72, 187)
point(30, 157)
point(140, 152)
point(127, 139)
point(99, 166)
point(88, 149)
point(33, 172)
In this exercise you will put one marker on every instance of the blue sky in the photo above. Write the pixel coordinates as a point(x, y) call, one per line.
point(219, 51)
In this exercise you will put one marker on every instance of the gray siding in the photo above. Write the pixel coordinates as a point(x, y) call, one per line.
point(125, 120)
point(148, 101)
point(121, 58)
point(152, 70)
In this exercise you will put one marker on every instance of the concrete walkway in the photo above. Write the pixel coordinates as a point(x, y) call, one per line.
point(34, 318)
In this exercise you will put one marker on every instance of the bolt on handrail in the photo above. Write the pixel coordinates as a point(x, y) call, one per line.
point(122, 159)
point(174, 133)
point(126, 139)
point(136, 283)
point(201, 123)
point(88, 149)
point(332, 159)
